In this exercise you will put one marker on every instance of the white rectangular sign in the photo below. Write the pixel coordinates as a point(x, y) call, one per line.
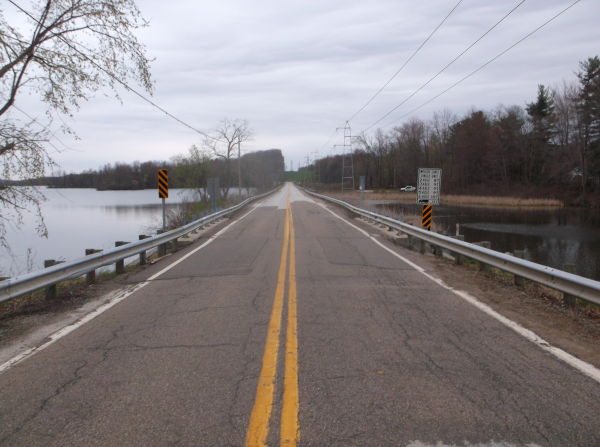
point(428, 188)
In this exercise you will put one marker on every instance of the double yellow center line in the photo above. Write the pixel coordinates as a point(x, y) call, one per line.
point(258, 429)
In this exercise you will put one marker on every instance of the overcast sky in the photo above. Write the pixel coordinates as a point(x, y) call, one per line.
point(298, 70)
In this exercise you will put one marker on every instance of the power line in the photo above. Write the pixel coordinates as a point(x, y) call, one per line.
point(386, 84)
point(444, 69)
point(405, 63)
point(486, 64)
point(52, 133)
point(127, 87)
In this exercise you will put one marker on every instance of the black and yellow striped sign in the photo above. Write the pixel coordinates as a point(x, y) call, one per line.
point(163, 184)
point(427, 215)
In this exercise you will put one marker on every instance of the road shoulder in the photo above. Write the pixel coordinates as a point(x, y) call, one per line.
point(575, 332)
point(31, 325)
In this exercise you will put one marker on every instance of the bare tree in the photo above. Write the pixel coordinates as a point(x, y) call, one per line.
point(71, 49)
point(227, 135)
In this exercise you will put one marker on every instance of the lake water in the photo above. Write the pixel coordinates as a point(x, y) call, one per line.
point(84, 218)
point(549, 236)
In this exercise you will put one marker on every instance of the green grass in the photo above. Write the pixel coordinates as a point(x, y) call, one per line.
point(297, 176)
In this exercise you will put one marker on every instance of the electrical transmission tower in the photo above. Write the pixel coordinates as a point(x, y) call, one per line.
point(317, 171)
point(306, 169)
point(347, 162)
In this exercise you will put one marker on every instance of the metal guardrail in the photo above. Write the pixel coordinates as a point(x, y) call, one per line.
point(20, 285)
point(578, 286)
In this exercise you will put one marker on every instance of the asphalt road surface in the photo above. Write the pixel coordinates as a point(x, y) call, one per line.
point(293, 327)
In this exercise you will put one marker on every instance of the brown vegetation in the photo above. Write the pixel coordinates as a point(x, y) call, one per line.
point(448, 199)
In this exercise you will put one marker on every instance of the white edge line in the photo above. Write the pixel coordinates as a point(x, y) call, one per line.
point(584, 367)
point(122, 294)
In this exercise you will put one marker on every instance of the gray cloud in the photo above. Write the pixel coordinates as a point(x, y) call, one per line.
point(297, 70)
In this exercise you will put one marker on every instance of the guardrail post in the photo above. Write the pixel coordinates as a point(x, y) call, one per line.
point(143, 258)
point(90, 277)
point(458, 258)
point(519, 280)
point(411, 240)
point(174, 246)
point(185, 222)
point(161, 250)
point(50, 290)
point(120, 264)
point(569, 300)
point(439, 250)
point(482, 266)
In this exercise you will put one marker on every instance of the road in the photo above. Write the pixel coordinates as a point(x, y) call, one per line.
point(293, 327)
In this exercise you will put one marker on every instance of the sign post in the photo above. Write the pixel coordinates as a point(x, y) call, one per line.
point(213, 191)
point(163, 190)
point(428, 193)
point(362, 191)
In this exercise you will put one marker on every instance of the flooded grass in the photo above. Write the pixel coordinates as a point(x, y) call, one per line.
point(411, 197)
point(499, 201)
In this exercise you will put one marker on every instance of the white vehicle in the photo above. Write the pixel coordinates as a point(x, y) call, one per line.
point(408, 189)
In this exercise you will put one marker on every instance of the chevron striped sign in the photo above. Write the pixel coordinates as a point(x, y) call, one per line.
point(163, 184)
point(427, 215)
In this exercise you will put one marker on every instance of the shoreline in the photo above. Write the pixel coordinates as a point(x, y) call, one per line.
point(454, 200)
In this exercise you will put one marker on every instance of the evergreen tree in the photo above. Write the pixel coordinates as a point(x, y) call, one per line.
point(541, 114)
point(589, 121)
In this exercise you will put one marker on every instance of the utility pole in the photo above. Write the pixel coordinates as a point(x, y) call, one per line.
point(306, 169)
point(240, 170)
point(317, 173)
point(347, 162)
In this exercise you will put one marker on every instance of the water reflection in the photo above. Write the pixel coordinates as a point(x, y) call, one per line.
point(83, 218)
point(549, 236)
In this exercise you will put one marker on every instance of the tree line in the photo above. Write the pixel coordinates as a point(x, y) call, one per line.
point(260, 169)
point(552, 145)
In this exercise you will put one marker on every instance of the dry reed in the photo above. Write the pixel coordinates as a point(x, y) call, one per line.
point(464, 200)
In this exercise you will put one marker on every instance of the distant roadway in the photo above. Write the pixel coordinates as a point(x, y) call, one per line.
point(292, 326)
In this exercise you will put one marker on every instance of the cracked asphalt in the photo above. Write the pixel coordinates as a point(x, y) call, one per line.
point(386, 356)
